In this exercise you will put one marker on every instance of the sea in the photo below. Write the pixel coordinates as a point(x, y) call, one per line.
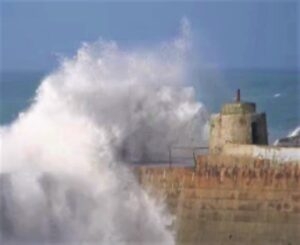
point(275, 92)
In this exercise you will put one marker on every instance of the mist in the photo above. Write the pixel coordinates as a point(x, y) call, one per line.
point(64, 161)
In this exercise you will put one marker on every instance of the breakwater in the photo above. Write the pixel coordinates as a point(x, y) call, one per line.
point(223, 203)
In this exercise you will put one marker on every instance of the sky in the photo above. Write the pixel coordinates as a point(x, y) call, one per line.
point(228, 34)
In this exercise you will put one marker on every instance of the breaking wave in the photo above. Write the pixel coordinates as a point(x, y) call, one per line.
point(290, 139)
point(64, 177)
point(277, 95)
point(295, 132)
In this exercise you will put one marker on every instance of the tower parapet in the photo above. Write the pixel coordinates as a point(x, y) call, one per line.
point(237, 123)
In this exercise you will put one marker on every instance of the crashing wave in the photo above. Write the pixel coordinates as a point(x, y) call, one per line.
point(63, 177)
point(292, 140)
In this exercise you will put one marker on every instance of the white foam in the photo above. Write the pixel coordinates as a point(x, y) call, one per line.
point(295, 132)
point(62, 168)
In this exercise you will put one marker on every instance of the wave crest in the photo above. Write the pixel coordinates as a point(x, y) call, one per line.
point(62, 158)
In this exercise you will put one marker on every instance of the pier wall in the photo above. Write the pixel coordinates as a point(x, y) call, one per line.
point(254, 203)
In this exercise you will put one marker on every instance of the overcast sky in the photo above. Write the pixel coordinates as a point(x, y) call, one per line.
point(233, 34)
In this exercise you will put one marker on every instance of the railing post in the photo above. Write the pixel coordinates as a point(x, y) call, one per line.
point(238, 96)
point(170, 157)
point(195, 159)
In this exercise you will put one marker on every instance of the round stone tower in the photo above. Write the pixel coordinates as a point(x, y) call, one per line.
point(237, 123)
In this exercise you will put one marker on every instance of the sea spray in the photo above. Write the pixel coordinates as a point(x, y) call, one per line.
point(63, 161)
point(295, 132)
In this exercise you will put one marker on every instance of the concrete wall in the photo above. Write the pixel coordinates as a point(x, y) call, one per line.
point(262, 131)
point(237, 123)
point(274, 153)
point(215, 138)
point(238, 108)
point(237, 129)
point(217, 204)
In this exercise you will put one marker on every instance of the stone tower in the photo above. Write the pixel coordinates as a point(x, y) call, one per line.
point(237, 123)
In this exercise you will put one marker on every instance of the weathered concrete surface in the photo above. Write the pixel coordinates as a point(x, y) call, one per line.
point(257, 203)
point(238, 123)
point(274, 153)
point(238, 108)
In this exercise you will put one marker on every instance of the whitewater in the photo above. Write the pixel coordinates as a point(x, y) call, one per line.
point(64, 161)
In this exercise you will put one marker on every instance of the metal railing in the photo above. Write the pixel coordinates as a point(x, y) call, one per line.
point(176, 155)
point(185, 154)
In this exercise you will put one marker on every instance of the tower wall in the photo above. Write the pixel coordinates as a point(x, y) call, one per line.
point(262, 130)
point(238, 124)
point(236, 128)
point(215, 139)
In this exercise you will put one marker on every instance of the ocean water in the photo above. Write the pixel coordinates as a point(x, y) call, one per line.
point(275, 92)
